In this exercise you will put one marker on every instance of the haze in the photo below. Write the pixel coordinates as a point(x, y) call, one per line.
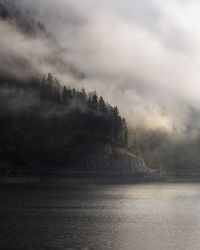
point(143, 56)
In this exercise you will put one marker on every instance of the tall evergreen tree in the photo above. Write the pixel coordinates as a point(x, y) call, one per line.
point(66, 96)
point(83, 96)
point(50, 79)
point(94, 101)
point(102, 105)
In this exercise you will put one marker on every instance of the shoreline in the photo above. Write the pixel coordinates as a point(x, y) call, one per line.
point(30, 179)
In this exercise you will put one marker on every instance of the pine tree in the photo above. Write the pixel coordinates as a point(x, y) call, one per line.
point(66, 96)
point(50, 80)
point(102, 105)
point(94, 101)
point(83, 96)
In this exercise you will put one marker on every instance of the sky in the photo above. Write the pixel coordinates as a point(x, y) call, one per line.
point(141, 55)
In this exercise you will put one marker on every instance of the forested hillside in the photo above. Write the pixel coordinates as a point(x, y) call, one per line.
point(43, 124)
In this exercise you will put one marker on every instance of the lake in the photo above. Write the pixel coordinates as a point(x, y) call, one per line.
point(62, 215)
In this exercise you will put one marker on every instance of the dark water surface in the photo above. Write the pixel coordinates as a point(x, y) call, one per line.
point(87, 216)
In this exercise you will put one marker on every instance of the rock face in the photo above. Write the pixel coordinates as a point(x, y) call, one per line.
point(110, 159)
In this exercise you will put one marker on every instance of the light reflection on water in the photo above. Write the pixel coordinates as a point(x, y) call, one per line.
point(127, 217)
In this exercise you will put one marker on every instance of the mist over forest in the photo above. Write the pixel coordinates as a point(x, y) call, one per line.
point(91, 73)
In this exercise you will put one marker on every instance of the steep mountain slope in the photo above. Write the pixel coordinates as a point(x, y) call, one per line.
point(45, 126)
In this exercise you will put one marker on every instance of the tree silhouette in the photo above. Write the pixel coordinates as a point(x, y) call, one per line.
point(47, 130)
point(102, 105)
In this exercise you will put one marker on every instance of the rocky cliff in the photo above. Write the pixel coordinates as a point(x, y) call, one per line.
point(110, 159)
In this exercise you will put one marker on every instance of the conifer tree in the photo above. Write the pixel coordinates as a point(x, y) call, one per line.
point(102, 105)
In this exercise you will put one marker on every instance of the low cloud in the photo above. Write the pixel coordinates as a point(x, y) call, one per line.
point(143, 56)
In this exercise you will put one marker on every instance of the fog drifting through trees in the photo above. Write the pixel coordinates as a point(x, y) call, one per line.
point(130, 63)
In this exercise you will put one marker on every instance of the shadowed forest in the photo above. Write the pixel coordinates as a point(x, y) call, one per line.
point(42, 123)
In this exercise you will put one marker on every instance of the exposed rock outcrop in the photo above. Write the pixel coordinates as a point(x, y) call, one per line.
point(112, 159)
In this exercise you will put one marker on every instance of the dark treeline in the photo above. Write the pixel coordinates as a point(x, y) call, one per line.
point(42, 124)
